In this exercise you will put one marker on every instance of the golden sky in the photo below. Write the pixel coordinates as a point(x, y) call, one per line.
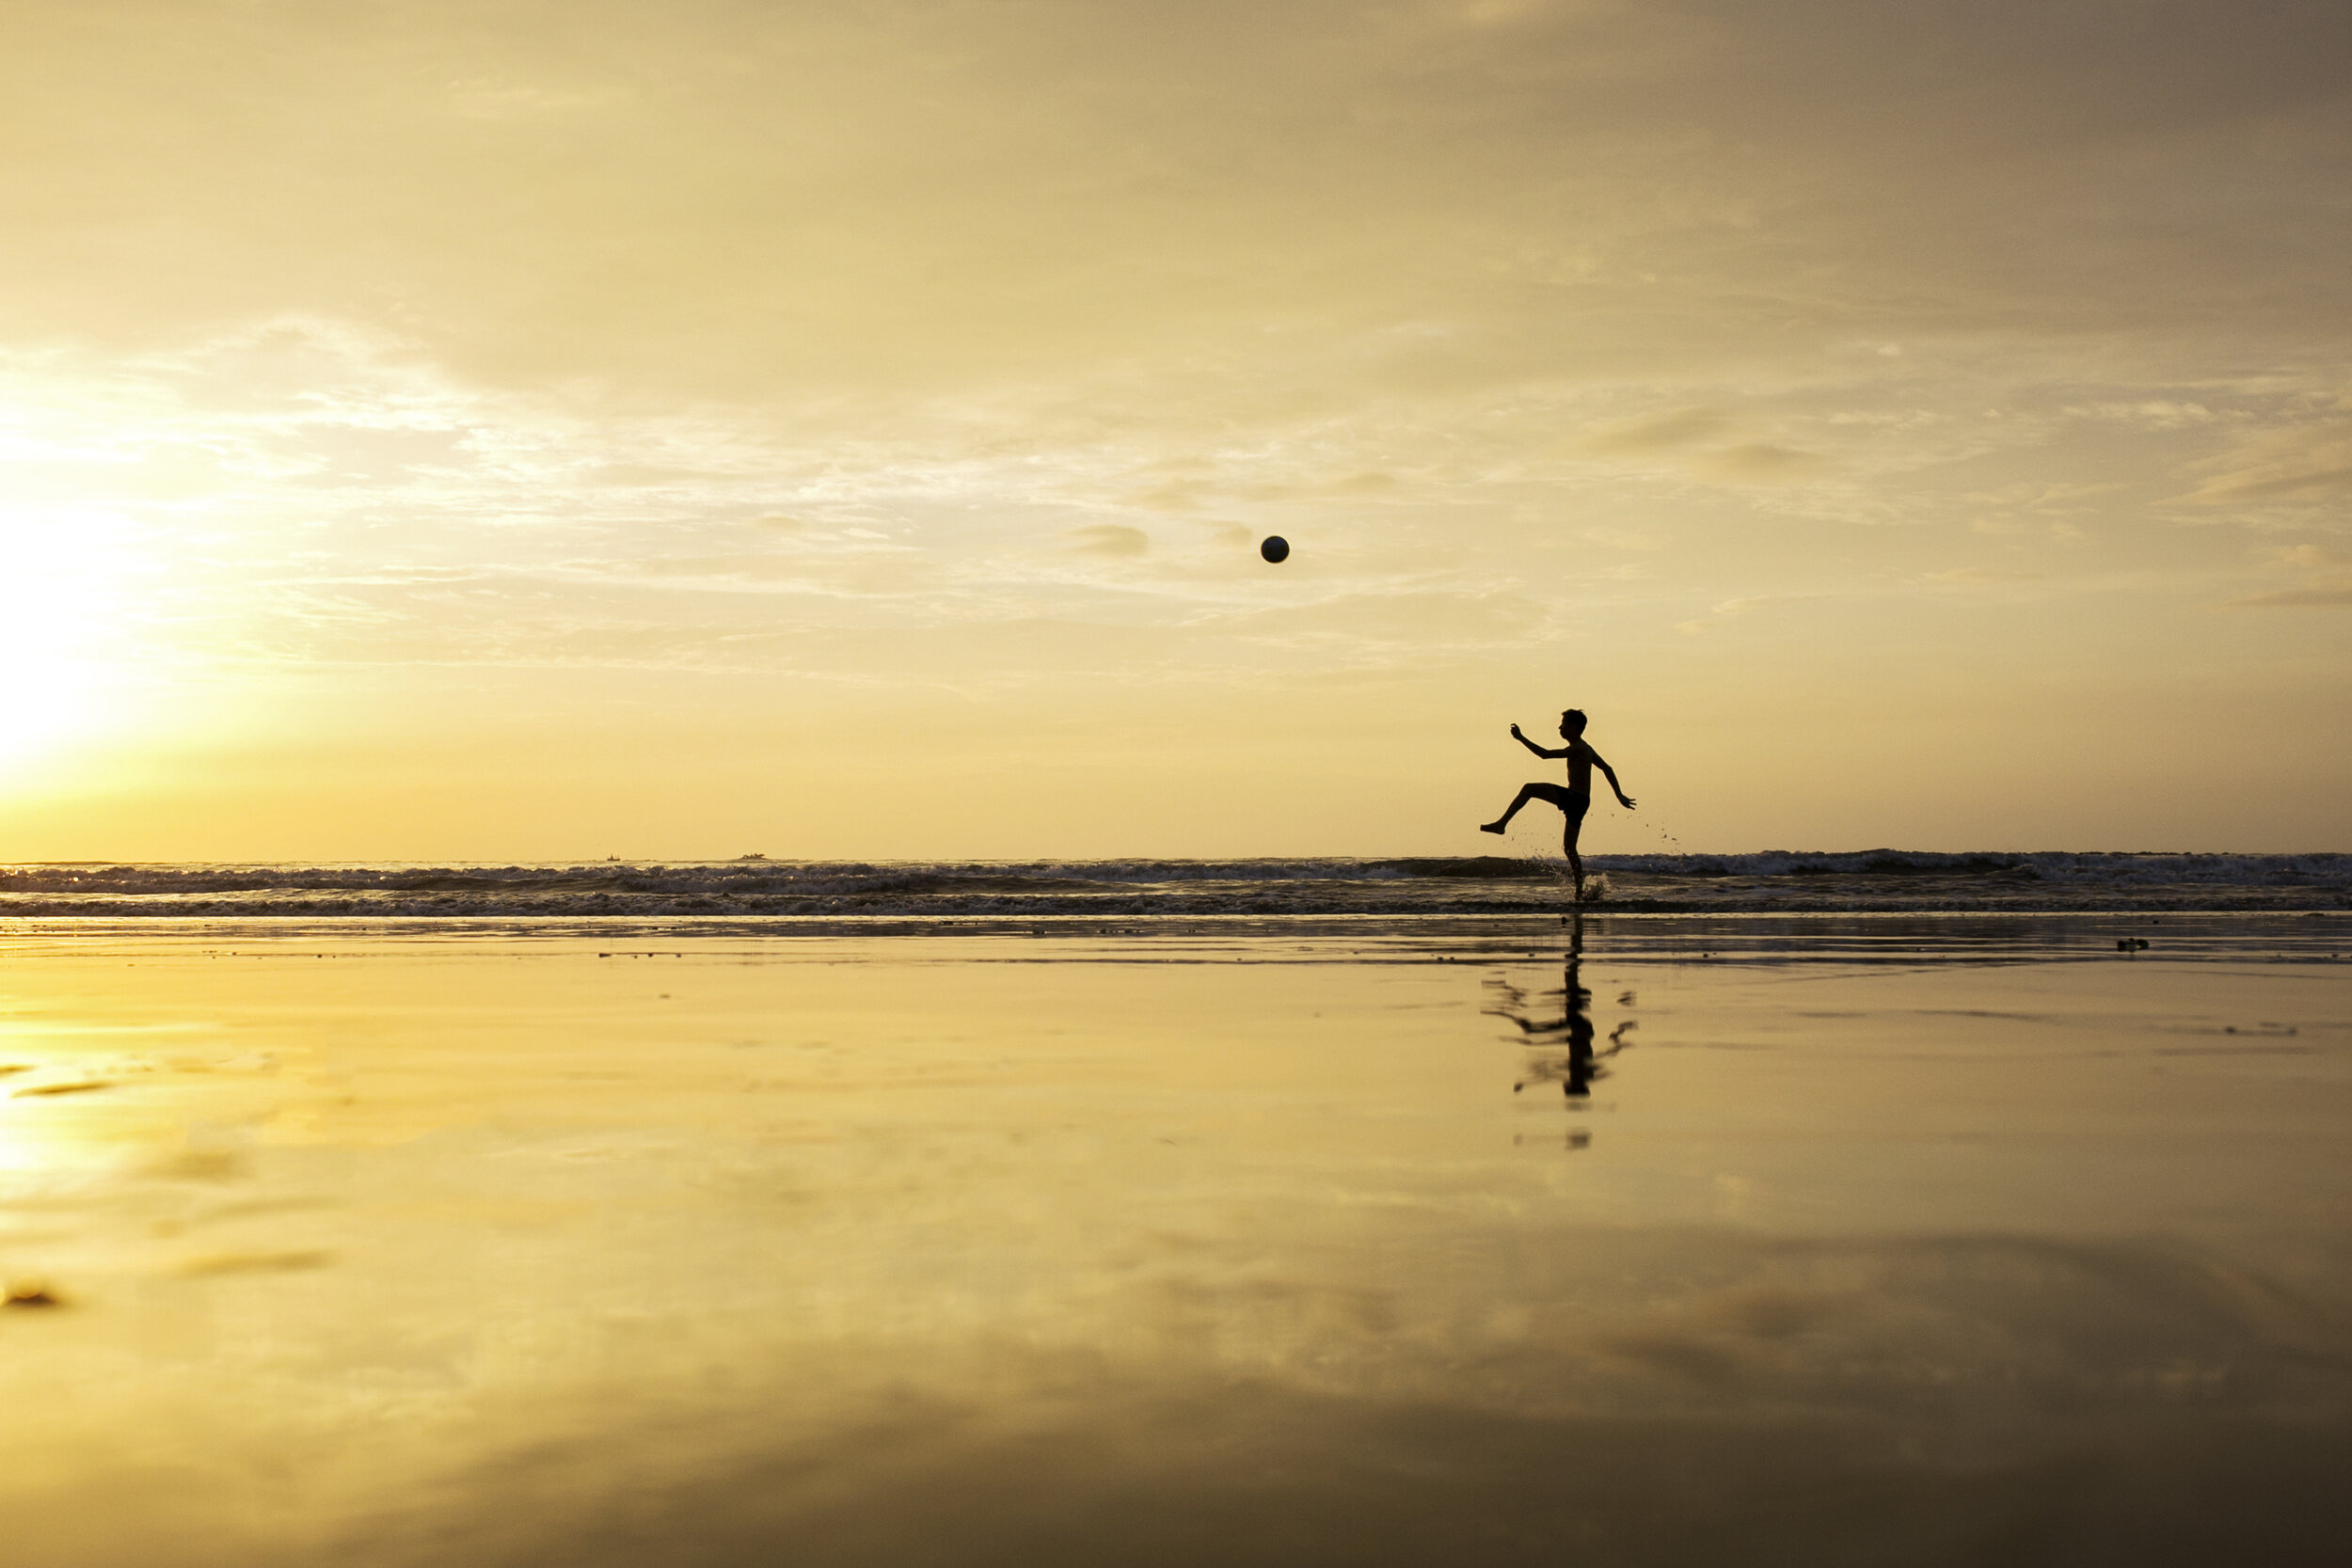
point(688, 427)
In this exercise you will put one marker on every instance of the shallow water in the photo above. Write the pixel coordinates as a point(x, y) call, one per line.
point(1373, 1241)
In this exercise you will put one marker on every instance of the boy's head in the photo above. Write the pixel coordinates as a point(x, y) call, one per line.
point(1572, 723)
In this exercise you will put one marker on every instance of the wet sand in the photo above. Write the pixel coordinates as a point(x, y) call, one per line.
point(1915, 1243)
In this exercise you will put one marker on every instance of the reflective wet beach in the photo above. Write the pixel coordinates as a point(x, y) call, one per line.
point(1669, 1241)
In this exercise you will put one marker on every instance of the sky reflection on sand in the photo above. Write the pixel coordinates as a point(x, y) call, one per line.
point(982, 1248)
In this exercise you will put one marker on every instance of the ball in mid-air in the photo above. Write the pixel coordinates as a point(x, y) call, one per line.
point(1275, 548)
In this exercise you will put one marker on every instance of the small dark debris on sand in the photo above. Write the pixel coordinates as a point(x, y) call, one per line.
point(31, 1292)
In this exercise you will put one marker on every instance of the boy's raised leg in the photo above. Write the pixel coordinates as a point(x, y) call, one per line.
point(1502, 823)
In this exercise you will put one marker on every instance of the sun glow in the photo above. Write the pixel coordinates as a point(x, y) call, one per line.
point(62, 624)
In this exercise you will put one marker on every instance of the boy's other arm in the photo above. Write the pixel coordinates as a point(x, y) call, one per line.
point(1611, 774)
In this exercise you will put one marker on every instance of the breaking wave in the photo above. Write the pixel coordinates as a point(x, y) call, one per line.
point(1787, 881)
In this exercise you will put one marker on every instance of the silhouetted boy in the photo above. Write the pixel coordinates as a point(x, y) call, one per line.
point(1575, 799)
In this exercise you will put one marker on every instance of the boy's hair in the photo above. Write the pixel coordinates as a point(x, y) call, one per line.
point(1573, 716)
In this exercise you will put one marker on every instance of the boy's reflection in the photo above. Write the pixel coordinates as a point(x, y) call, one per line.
point(1561, 1049)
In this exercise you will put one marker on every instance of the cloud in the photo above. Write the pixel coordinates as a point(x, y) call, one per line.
point(1174, 497)
point(1689, 435)
point(2307, 484)
point(1618, 537)
point(1426, 621)
point(902, 198)
point(1111, 539)
point(650, 475)
point(2155, 413)
point(2295, 597)
point(2307, 463)
point(1762, 463)
point(1973, 576)
point(2327, 582)
point(1670, 431)
point(1724, 611)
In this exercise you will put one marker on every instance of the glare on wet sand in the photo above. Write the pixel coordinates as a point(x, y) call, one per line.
point(511, 1247)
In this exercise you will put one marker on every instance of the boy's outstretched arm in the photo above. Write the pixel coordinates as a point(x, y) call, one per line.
point(1533, 747)
point(1611, 774)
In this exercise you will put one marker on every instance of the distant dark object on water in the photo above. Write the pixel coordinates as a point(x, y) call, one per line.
point(2131, 944)
point(1275, 548)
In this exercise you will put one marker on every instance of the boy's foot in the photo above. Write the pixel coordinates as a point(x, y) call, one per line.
point(1490, 827)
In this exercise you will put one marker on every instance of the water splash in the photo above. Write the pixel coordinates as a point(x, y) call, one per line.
point(1674, 845)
